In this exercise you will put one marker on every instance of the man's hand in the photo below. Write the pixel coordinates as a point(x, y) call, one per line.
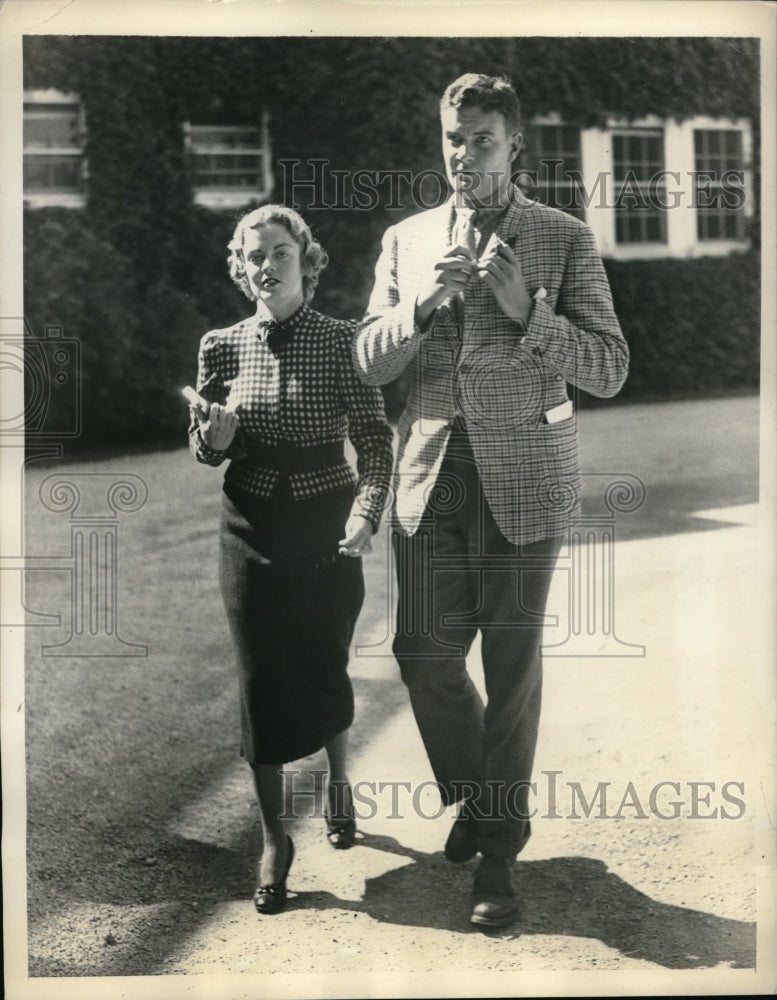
point(217, 426)
point(501, 271)
point(358, 536)
point(450, 274)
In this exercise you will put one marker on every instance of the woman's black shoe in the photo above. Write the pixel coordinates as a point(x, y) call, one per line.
point(341, 833)
point(272, 898)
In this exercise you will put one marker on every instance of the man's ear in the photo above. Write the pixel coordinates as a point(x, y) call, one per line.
point(516, 142)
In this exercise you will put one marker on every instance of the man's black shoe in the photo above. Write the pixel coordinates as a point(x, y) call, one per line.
point(462, 842)
point(494, 897)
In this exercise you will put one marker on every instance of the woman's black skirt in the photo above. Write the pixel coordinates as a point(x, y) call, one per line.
point(292, 603)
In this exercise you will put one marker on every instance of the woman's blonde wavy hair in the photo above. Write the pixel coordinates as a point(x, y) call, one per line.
point(313, 257)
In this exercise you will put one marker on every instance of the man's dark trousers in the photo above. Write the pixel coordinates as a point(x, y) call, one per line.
point(458, 574)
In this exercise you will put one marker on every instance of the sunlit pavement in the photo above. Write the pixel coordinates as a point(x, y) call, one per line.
point(647, 771)
point(627, 887)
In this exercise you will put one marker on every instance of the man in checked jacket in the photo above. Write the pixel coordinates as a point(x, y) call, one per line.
point(494, 304)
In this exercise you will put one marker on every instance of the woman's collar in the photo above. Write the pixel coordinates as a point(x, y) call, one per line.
point(265, 318)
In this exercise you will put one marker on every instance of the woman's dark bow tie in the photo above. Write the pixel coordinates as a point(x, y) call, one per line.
point(274, 332)
point(278, 332)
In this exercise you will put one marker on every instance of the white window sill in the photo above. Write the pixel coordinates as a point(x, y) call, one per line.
point(54, 199)
point(219, 198)
point(656, 251)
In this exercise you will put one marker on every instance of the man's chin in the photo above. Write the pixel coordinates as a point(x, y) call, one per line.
point(476, 196)
point(467, 195)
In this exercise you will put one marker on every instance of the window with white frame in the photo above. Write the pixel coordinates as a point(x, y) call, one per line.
point(719, 166)
point(230, 164)
point(651, 187)
point(549, 165)
point(640, 198)
point(54, 170)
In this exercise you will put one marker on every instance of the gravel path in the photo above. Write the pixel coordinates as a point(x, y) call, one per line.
point(641, 874)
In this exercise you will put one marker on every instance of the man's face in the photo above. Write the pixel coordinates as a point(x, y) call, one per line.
point(478, 149)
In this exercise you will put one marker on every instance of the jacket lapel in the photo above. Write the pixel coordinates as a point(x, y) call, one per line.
point(426, 246)
point(510, 223)
point(519, 229)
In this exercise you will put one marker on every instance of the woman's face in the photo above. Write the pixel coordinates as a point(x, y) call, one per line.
point(273, 269)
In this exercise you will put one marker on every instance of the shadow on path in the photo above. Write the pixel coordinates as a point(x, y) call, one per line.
point(575, 896)
point(673, 508)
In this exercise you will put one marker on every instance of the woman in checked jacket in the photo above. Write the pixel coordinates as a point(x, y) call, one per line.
point(278, 396)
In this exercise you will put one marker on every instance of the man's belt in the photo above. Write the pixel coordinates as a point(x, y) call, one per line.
point(287, 458)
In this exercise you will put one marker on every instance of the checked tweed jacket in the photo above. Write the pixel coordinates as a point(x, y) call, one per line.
point(474, 362)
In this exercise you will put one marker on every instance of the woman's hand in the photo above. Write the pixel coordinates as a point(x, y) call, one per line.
point(358, 536)
point(217, 426)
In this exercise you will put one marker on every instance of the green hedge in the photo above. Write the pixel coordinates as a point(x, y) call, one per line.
point(136, 347)
point(360, 103)
point(692, 325)
point(139, 275)
point(138, 333)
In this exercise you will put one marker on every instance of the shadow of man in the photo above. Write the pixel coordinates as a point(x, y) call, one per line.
point(570, 896)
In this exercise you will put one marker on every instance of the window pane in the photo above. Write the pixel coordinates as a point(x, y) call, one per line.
point(717, 150)
point(225, 136)
point(652, 232)
point(552, 152)
point(227, 156)
point(638, 155)
point(618, 154)
point(52, 173)
point(36, 174)
point(570, 138)
point(733, 144)
point(232, 178)
point(46, 126)
point(654, 149)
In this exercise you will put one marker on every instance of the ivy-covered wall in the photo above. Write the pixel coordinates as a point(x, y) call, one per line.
point(139, 274)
